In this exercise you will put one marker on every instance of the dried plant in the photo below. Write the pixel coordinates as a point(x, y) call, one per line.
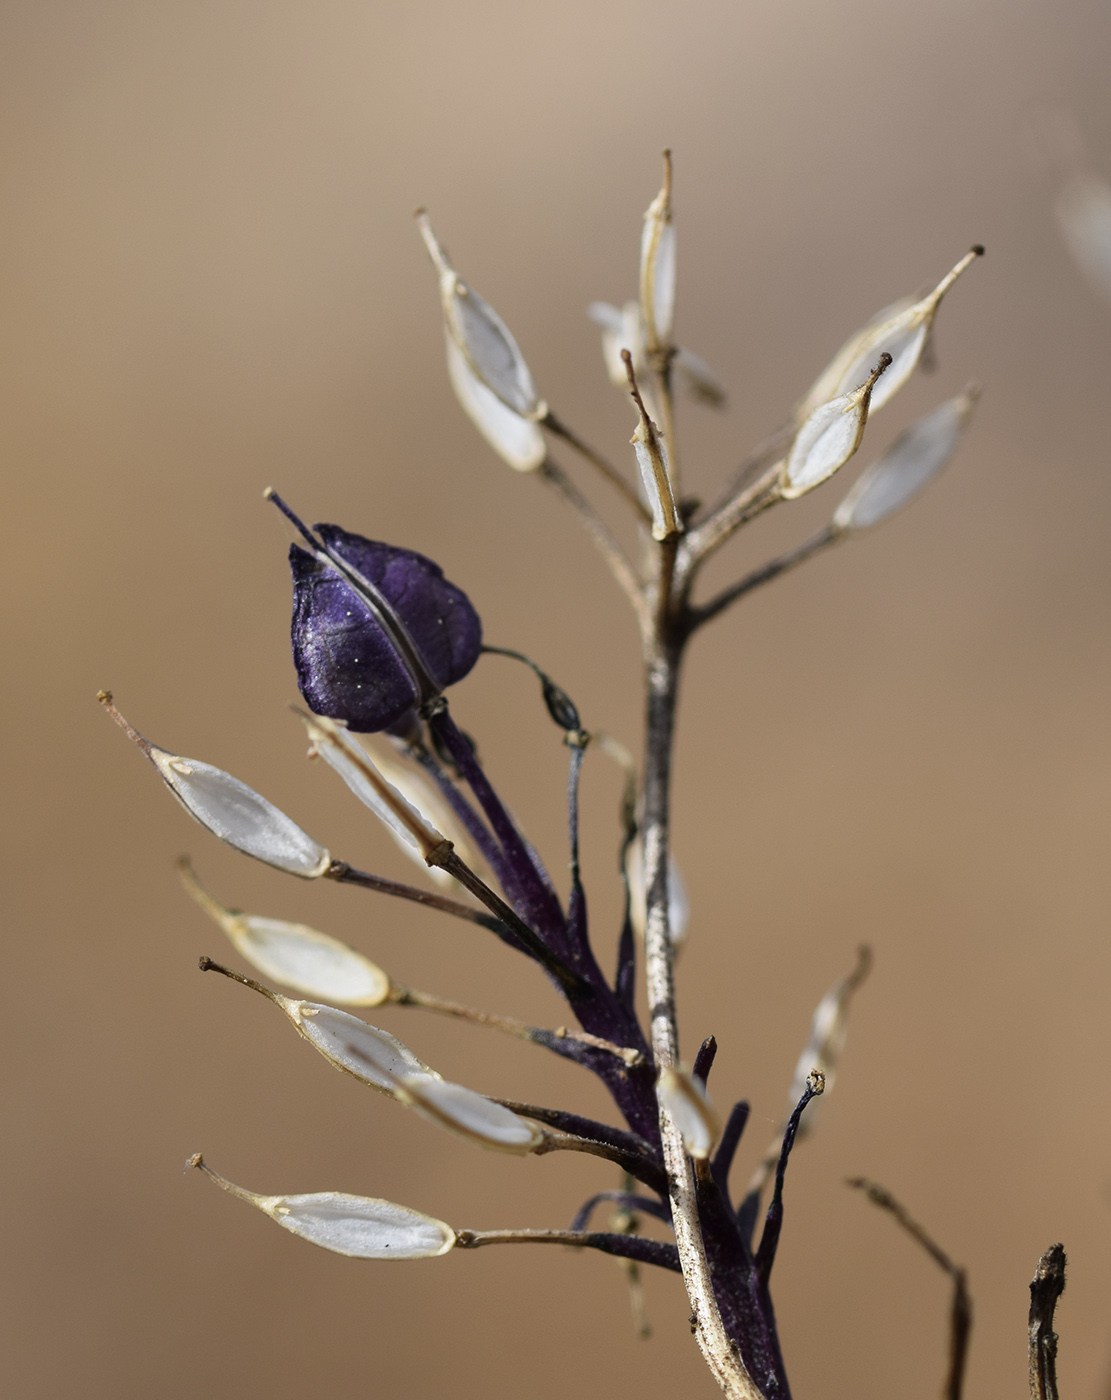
point(379, 635)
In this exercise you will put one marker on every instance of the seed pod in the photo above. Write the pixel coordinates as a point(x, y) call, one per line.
point(473, 1115)
point(368, 1054)
point(685, 1099)
point(700, 380)
point(1084, 215)
point(482, 337)
point(312, 963)
point(901, 333)
point(678, 901)
point(421, 793)
point(356, 663)
point(828, 438)
point(908, 465)
point(342, 752)
point(359, 1226)
point(620, 331)
point(231, 810)
point(651, 458)
point(657, 269)
point(829, 1028)
point(516, 440)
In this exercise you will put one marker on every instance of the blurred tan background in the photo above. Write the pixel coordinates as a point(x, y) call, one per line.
point(212, 283)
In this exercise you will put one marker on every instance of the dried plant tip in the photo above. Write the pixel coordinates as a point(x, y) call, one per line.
point(481, 336)
point(469, 1113)
point(310, 962)
point(828, 1031)
point(1084, 216)
point(657, 269)
point(1045, 1290)
point(901, 332)
point(908, 465)
point(342, 752)
point(652, 460)
point(828, 438)
point(685, 1100)
point(231, 810)
point(359, 1226)
point(560, 706)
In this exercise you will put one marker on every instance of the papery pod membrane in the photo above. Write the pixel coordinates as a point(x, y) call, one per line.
point(693, 1114)
point(829, 1029)
point(359, 1226)
point(516, 440)
point(343, 753)
point(678, 901)
point(902, 334)
point(621, 330)
point(368, 1054)
point(310, 962)
point(826, 441)
point(1083, 210)
point(698, 378)
point(469, 1113)
point(908, 465)
point(354, 662)
point(482, 336)
point(657, 268)
point(422, 794)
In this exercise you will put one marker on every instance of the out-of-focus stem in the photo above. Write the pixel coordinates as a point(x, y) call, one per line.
point(560, 429)
point(764, 574)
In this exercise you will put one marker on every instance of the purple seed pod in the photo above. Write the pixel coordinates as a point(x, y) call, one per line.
point(377, 630)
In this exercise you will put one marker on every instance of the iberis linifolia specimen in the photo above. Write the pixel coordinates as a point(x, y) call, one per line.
point(380, 637)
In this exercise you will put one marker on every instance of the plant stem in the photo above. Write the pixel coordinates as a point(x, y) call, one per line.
point(663, 660)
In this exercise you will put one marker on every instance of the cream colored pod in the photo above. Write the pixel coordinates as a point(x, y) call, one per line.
point(828, 438)
point(359, 1226)
point(312, 963)
point(691, 1111)
point(487, 370)
point(678, 901)
point(231, 810)
point(471, 1114)
point(908, 465)
point(902, 333)
point(1083, 209)
point(657, 269)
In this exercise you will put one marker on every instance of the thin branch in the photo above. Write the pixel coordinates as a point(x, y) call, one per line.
point(644, 1169)
point(712, 533)
point(629, 1204)
point(346, 874)
point(560, 429)
point(773, 1222)
point(727, 1147)
point(509, 1025)
point(600, 533)
point(770, 450)
point(629, 1151)
point(960, 1312)
point(1046, 1288)
point(665, 1256)
point(772, 569)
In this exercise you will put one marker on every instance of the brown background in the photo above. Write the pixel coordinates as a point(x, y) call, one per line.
point(212, 283)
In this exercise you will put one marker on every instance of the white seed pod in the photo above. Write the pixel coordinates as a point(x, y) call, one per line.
point(693, 1114)
point(698, 378)
point(620, 331)
point(359, 1226)
point(678, 901)
point(657, 268)
point(827, 439)
point(312, 963)
point(342, 752)
point(482, 336)
point(420, 792)
point(368, 1054)
point(1083, 209)
point(516, 440)
point(828, 1031)
point(902, 333)
point(908, 465)
point(230, 809)
point(469, 1113)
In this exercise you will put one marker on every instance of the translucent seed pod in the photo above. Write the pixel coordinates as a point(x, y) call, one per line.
point(516, 440)
point(368, 1054)
point(231, 810)
point(621, 330)
point(471, 1114)
point(342, 752)
point(359, 1226)
point(902, 334)
point(651, 458)
point(310, 962)
point(828, 1031)
point(482, 336)
point(699, 379)
point(678, 901)
point(1083, 209)
point(908, 465)
point(421, 793)
point(828, 438)
point(657, 269)
point(693, 1114)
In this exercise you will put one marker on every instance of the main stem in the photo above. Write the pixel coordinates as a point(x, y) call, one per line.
point(664, 649)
